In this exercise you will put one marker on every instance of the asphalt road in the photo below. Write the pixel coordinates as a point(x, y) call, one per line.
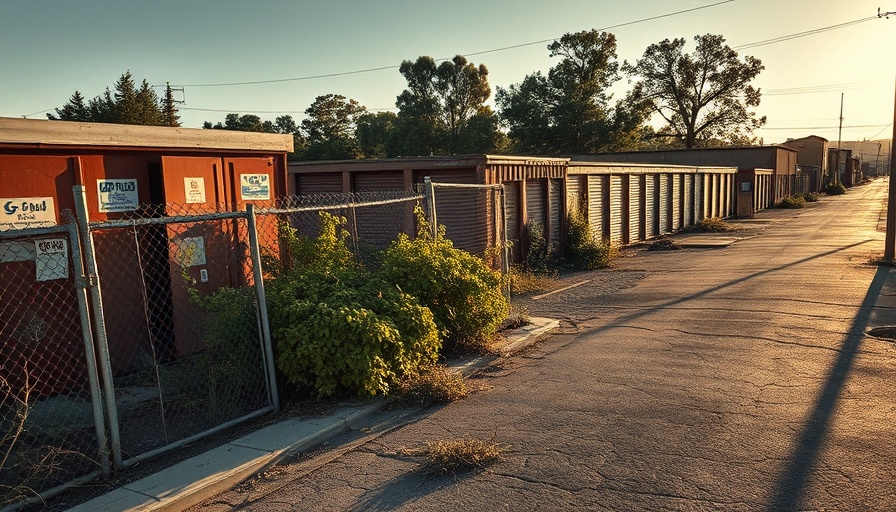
point(735, 379)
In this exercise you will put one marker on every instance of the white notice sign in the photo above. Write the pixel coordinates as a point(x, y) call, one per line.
point(255, 187)
point(51, 257)
point(26, 212)
point(194, 190)
point(117, 195)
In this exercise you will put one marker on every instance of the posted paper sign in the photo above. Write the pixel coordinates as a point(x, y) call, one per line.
point(26, 212)
point(194, 189)
point(51, 257)
point(255, 187)
point(117, 195)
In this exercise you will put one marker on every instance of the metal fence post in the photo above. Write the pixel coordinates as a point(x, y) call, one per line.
point(268, 358)
point(429, 199)
point(93, 281)
point(82, 283)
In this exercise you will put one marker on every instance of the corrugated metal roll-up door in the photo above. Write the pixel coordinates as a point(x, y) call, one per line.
point(536, 196)
point(575, 191)
point(512, 216)
point(650, 225)
point(377, 226)
point(556, 207)
point(676, 202)
point(688, 200)
point(729, 195)
point(713, 189)
point(699, 197)
point(616, 210)
point(635, 193)
point(595, 205)
point(466, 213)
point(663, 207)
point(322, 183)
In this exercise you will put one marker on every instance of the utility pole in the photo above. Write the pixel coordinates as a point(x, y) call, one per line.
point(890, 240)
point(839, 143)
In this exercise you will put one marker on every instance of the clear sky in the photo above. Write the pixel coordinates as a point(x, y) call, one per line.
point(49, 49)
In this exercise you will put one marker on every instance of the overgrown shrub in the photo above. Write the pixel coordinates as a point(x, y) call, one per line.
point(341, 330)
point(542, 256)
point(349, 334)
point(811, 197)
point(834, 189)
point(792, 202)
point(584, 249)
point(465, 295)
point(436, 384)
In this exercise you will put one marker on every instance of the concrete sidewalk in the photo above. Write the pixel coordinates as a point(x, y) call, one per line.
point(198, 478)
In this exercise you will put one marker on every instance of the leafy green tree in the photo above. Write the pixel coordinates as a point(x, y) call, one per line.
point(129, 104)
point(330, 128)
point(376, 134)
point(569, 110)
point(703, 96)
point(436, 111)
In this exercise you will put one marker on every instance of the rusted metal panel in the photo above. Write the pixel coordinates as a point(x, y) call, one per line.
point(321, 183)
point(536, 198)
point(386, 180)
point(512, 216)
point(556, 199)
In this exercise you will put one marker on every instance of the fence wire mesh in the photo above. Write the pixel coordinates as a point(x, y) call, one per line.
point(181, 325)
point(48, 433)
point(372, 219)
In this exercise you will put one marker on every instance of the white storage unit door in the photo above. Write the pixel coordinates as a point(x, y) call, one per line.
point(616, 210)
point(635, 193)
point(650, 206)
point(595, 205)
point(688, 199)
point(663, 207)
point(676, 202)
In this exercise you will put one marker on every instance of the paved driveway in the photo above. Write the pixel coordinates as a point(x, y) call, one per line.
point(731, 379)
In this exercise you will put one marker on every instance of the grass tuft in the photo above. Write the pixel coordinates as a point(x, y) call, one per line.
point(792, 202)
point(713, 225)
point(435, 385)
point(522, 281)
point(457, 455)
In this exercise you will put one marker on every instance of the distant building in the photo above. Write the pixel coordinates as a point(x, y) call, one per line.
point(781, 160)
point(812, 157)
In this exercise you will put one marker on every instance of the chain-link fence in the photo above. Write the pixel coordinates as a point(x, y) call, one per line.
point(182, 326)
point(372, 219)
point(51, 428)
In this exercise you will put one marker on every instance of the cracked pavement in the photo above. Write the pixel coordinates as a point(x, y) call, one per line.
point(735, 379)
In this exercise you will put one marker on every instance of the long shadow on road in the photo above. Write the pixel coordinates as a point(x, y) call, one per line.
point(792, 483)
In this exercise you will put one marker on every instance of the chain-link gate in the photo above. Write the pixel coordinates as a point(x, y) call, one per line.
point(474, 218)
point(51, 425)
point(182, 326)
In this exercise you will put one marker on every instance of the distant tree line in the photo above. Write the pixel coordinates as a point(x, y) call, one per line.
point(704, 98)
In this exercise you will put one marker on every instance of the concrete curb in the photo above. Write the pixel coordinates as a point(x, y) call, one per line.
point(198, 478)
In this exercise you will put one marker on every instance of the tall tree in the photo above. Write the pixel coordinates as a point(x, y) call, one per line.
point(569, 111)
point(702, 96)
point(169, 108)
point(129, 104)
point(74, 110)
point(330, 128)
point(376, 134)
point(436, 109)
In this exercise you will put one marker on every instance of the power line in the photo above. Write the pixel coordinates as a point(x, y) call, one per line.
point(855, 126)
point(796, 35)
point(383, 68)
